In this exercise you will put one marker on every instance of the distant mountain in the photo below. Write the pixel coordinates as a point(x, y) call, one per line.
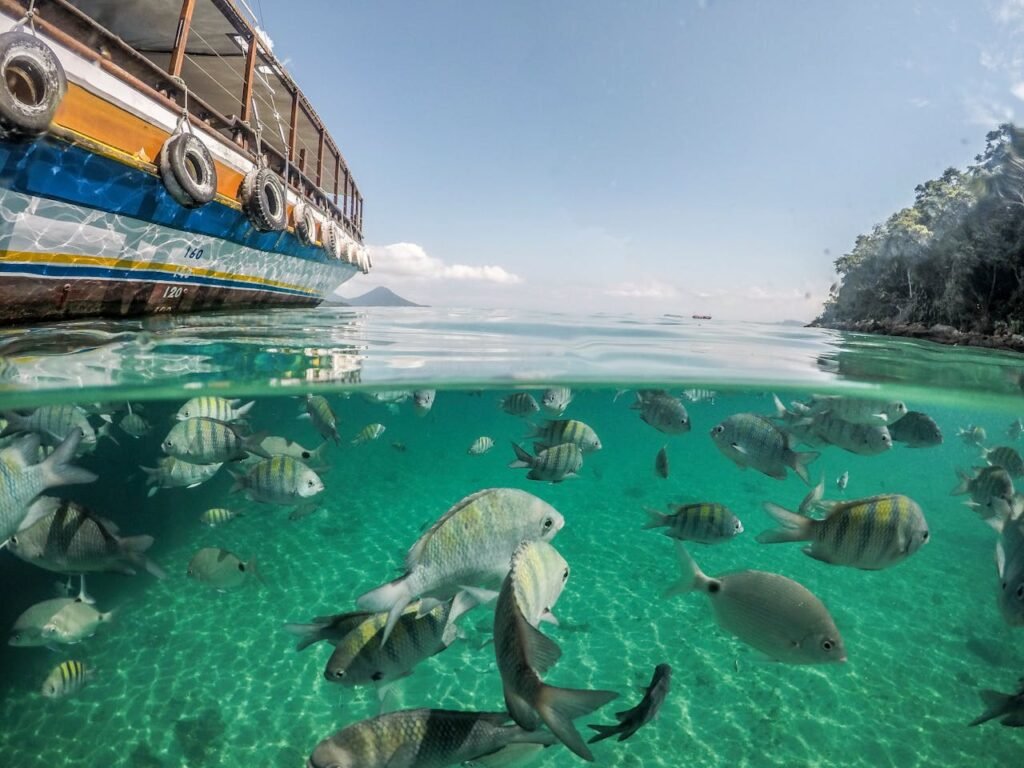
point(378, 297)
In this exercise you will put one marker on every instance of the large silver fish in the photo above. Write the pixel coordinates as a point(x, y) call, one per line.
point(470, 545)
point(872, 533)
point(856, 410)
point(1010, 566)
point(421, 738)
point(221, 569)
point(775, 615)
point(65, 537)
point(524, 653)
point(21, 479)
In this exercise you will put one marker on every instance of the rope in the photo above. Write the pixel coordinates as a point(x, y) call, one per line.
point(183, 122)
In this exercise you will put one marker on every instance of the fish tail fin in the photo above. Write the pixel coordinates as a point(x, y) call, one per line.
point(516, 753)
point(57, 467)
point(238, 477)
point(997, 704)
point(523, 459)
point(655, 519)
point(794, 527)
point(800, 460)
point(392, 597)
point(603, 732)
point(558, 707)
point(308, 634)
point(965, 483)
point(135, 548)
point(780, 409)
point(106, 431)
point(539, 446)
point(107, 617)
point(691, 576)
point(242, 411)
point(253, 444)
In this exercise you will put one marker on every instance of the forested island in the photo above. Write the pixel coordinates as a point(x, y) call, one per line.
point(951, 266)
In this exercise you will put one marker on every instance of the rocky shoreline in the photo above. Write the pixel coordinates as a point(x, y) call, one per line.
point(941, 334)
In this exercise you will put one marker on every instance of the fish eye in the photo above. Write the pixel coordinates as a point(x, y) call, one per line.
point(827, 645)
point(925, 535)
point(719, 429)
point(548, 522)
point(565, 576)
point(305, 454)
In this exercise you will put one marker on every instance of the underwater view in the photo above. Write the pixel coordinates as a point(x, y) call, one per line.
point(230, 537)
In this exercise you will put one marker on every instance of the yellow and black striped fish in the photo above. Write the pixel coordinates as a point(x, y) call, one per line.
point(704, 522)
point(871, 533)
point(66, 678)
point(211, 407)
point(218, 516)
point(519, 404)
point(552, 464)
point(558, 431)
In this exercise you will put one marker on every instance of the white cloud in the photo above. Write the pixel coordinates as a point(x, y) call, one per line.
point(1009, 12)
point(410, 261)
point(919, 102)
point(987, 112)
point(1018, 90)
point(647, 290)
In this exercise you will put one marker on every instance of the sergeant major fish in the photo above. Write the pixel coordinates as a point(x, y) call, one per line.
point(480, 446)
point(519, 404)
point(661, 463)
point(631, 720)
point(280, 480)
point(21, 479)
point(218, 516)
point(991, 491)
point(1006, 457)
point(170, 472)
point(202, 440)
point(552, 464)
point(67, 678)
point(862, 439)
point(524, 653)
point(749, 440)
point(470, 545)
point(555, 432)
point(856, 410)
point(704, 522)
point(662, 411)
point(871, 533)
point(368, 433)
point(421, 738)
point(771, 613)
point(556, 400)
point(53, 423)
point(972, 435)
point(916, 430)
point(319, 412)
point(212, 407)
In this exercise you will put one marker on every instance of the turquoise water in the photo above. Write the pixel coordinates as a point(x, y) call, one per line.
point(186, 676)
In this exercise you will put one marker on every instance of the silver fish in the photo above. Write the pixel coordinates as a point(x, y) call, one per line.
point(324, 421)
point(916, 430)
point(662, 411)
point(212, 407)
point(423, 401)
point(65, 537)
point(519, 404)
point(1016, 429)
point(67, 678)
point(220, 569)
point(73, 623)
point(28, 627)
point(558, 431)
point(871, 533)
point(810, 502)
point(856, 410)
point(368, 433)
point(631, 720)
point(175, 473)
point(1010, 567)
point(21, 479)
point(480, 446)
point(280, 480)
point(470, 545)
point(208, 441)
point(524, 653)
point(552, 464)
point(280, 446)
point(421, 738)
point(750, 440)
point(555, 400)
point(703, 522)
point(775, 615)
point(972, 435)
point(862, 439)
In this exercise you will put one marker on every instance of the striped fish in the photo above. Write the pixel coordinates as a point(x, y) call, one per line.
point(279, 480)
point(703, 522)
point(67, 677)
point(361, 658)
point(972, 435)
point(208, 441)
point(210, 407)
point(218, 516)
point(133, 425)
point(1006, 457)
point(552, 464)
point(556, 400)
point(558, 431)
point(750, 440)
point(857, 410)
point(872, 533)
point(519, 404)
point(662, 411)
point(480, 446)
point(324, 421)
point(916, 430)
point(53, 423)
point(991, 491)
point(170, 472)
point(368, 433)
point(661, 463)
point(862, 439)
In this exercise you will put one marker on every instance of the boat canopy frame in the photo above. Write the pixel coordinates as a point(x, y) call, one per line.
point(205, 56)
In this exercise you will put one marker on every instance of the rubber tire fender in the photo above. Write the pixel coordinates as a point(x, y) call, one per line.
point(187, 170)
point(304, 222)
point(332, 240)
point(263, 200)
point(31, 64)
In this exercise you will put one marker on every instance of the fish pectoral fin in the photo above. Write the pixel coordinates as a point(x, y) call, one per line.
point(541, 651)
point(809, 551)
point(738, 448)
point(1000, 558)
point(403, 756)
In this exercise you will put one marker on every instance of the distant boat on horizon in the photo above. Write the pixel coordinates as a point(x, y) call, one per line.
point(701, 317)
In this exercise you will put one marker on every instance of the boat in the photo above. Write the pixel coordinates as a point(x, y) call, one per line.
point(156, 157)
point(701, 317)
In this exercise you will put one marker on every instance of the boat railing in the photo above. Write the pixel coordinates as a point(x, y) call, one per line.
point(55, 18)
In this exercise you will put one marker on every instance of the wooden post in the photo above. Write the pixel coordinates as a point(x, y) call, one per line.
point(337, 172)
point(293, 126)
point(181, 38)
point(320, 158)
point(250, 78)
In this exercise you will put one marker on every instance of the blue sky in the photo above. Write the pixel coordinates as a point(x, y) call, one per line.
point(685, 156)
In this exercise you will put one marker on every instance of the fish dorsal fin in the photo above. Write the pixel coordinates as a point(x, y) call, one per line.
point(1000, 559)
point(416, 550)
point(541, 651)
point(40, 508)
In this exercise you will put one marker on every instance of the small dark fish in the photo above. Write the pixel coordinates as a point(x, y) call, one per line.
point(399, 446)
point(661, 463)
point(631, 719)
point(1008, 706)
point(916, 430)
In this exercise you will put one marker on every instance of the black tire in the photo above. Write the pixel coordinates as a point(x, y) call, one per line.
point(32, 85)
point(263, 200)
point(187, 169)
point(332, 240)
point(305, 223)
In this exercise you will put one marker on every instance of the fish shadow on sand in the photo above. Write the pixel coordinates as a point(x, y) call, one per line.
point(986, 650)
point(201, 737)
point(144, 757)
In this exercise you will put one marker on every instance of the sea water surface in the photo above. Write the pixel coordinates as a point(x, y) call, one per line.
point(188, 676)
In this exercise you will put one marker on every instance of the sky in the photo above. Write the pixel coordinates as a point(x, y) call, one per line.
point(697, 156)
